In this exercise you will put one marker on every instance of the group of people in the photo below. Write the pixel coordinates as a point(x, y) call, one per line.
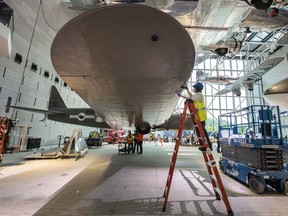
point(135, 142)
point(96, 134)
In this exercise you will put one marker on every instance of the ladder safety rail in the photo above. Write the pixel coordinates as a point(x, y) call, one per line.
point(207, 155)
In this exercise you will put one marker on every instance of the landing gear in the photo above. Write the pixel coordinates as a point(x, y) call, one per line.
point(143, 128)
point(261, 4)
point(256, 185)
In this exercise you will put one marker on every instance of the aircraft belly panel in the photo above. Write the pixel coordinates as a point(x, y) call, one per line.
point(125, 59)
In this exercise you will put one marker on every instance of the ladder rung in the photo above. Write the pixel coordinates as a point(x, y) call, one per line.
point(213, 177)
point(218, 191)
point(208, 164)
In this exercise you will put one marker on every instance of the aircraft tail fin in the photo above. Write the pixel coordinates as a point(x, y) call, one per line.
point(200, 75)
point(55, 100)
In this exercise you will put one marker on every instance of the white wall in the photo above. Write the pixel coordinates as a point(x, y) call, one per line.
point(32, 39)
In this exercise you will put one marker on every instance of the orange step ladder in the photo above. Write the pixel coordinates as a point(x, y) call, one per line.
point(3, 130)
point(207, 155)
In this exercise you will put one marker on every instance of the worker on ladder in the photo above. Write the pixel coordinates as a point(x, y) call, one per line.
point(195, 104)
point(198, 99)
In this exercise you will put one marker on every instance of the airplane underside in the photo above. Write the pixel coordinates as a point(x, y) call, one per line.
point(126, 62)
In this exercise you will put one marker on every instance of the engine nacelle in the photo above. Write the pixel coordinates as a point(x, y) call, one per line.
point(260, 4)
point(249, 86)
point(232, 45)
point(237, 92)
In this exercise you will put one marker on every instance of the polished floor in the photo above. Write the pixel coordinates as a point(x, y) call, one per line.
point(105, 182)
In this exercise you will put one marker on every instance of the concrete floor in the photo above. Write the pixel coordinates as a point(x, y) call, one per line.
point(107, 183)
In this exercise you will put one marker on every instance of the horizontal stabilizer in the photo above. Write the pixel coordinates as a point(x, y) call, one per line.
point(35, 110)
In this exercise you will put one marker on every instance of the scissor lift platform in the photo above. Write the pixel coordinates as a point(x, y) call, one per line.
point(253, 148)
point(258, 180)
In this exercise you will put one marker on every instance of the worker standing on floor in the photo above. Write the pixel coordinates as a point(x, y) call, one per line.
point(198, 99)
point(219, 150)
point(130, 140)
point(139, 144)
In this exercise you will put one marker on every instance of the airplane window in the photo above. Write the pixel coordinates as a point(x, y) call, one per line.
point(46, 74)
point(18, 58)
point(56, 80)
point(5, 13)
point(34, 67)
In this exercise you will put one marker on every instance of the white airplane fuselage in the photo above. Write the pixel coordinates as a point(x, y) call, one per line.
point(125, 61)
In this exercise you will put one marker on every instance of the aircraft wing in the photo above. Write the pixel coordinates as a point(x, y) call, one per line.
point(251, 77)
point(234, 87)
point(259, 71)
point(57, 111)
point(223, 91)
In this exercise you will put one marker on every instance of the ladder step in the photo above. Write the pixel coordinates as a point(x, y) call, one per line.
point(213, 177)
point(218, 191)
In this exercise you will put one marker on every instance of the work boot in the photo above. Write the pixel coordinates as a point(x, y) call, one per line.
point(184, 87)
point(202, 148)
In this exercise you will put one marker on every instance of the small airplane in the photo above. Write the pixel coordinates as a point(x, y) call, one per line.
point(233, 84)
point(126, 61)
point(58, 111)
point(220, 80)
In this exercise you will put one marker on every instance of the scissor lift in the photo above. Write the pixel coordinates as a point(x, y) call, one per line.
point(253, 148)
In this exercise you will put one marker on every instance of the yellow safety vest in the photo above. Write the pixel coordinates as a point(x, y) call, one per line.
point(202, 113)
point(130, 139)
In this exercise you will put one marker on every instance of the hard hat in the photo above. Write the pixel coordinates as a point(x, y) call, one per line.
point(198, 85)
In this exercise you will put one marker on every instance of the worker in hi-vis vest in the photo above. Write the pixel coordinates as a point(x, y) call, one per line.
point(130, 140)
point(199, 102)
